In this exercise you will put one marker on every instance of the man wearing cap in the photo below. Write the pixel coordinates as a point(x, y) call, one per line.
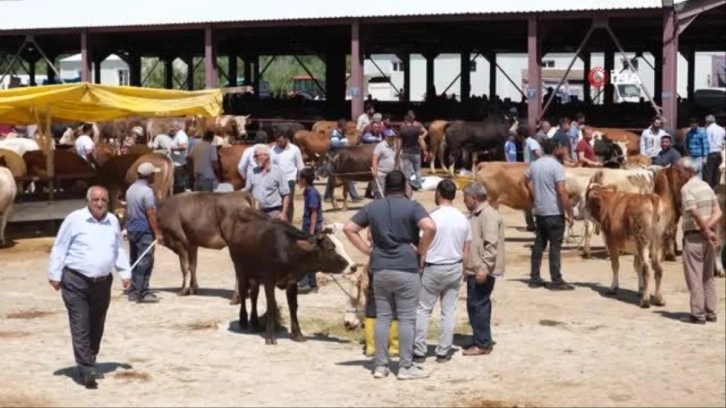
point(384, 162)
point(667, 155)
point(142, 228)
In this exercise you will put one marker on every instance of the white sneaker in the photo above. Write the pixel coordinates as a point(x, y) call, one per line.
point(412, 373)
point(381, 372)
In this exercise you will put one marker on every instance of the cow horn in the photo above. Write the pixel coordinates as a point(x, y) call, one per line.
point(305, 245)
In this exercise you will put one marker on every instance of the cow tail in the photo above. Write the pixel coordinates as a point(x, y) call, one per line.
point(171, 179)
point(656, 243)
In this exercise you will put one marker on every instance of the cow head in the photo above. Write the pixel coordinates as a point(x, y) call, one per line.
point(241, 123)
point(332, 231)
point(324, 255)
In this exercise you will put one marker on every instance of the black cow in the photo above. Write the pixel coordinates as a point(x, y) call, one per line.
point(275, 129)
point(348, 164)
point(462, 138)
point(276, 254)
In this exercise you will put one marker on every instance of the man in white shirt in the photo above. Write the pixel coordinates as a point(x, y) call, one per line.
point(162, 144)
point(288, 158)
point(179, 149)
point(650, 138)
point(442, 274)
point(84, 143)
point(716, 135)
point(365, 118)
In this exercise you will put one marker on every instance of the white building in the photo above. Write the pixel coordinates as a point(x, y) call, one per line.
point(114, 71)
point(447, 67)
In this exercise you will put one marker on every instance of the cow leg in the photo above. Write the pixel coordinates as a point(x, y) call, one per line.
point(474, 159)
point(271, 312)
point(254, 287)
point(638, 267)
point(332, 195)
point(586, 240)
point(615, 266)
point(719, 265)
point(235, 296)
point(345, 195)
point(3, 224)
point(669, 253)
point(243, 287)
point(296, 334)
point(658, 274)
point(184, 265)
point(193, 285)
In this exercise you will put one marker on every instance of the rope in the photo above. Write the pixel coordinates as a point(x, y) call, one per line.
point(351, 174)
point(340, 286)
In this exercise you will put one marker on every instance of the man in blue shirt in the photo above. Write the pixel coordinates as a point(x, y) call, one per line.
point(142, 228)
point(510, 148)
point(88, 246)
point(312, 221)
point(562, 136)
point(697, 144)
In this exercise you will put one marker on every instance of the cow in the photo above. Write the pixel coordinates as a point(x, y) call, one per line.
point(117, 130)
point(327, 126)
point(104, 151)
point(436, 133)
point(667, 184)
point(290, 254)
point(204, 219)
point(19, 145)
point(631, 139)
point(228, 129)
point(275, 129)
point(229, 158)
point(314, 145)
point(8, 191)
point(155, 126)
point(15, 164)
point(163, 184)
point(631, 225)
point(462, 138)
point(720, 191)
point(119, 172)
point(65, 163)
point(352, 163)
point(638, 161)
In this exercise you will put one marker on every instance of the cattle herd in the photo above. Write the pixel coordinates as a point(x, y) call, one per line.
point(635, 206)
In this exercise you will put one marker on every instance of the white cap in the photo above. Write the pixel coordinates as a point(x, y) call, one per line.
point(147, 168)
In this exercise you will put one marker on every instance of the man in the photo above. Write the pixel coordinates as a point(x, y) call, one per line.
point(373, 133)
point(247, 163)
point(179, 146)
point(384, 162)
point(337, 136)
point(162, 144)
point(288, 158)
point(697, 145)
point(667, 155)
point(545, 180)
point(701, 214)
point(88, 245)
point(545, 128)
point(410, 143)
point(365, 118)
point(268, 185)
point(650, 138)
point(716, 139)
point(84, 143)
point(142, 228)
point(395, 223)
point(484, 264)
point(584, 150)
point(531, 151)
point(510, 147)
point(575, 132)
point(442, 273)
point(205, 161)
point(338, 141)
point(312, 221)
point(562, 136)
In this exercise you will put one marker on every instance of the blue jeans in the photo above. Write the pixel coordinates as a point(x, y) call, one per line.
point(550, 228)
point(204, 184)
point(308, 281)
point(141, 274)
point(479, 306)
point(412, 166)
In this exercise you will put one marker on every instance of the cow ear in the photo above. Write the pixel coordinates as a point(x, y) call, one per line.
point(305, 245)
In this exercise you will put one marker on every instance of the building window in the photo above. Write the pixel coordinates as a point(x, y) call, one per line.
point(633, 61)
point(472, 66)
point(123, 77)
point(548, 63)
point(398, 66)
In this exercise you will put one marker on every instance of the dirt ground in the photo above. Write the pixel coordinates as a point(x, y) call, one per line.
point(577, 348)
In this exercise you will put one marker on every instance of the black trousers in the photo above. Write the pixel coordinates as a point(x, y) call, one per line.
point(479, 308)
point(711, 174)
point(87, 302)
point(550, 229)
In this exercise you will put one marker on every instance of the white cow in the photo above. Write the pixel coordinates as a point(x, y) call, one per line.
point(19, 145)
point(8, 191)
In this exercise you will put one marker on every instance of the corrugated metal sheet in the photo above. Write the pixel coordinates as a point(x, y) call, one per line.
point(40, 14)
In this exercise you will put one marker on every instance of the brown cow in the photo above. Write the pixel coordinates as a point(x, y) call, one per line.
point(104, 151)
point(437, 130)
point(352, 163)
point(163, 184)
point(667, 184)
point(119, 172)
point(288, 255)
point(231, 129)
point(229, 158)
point(15, 164)
point(631, 139)
point(119, 129)
point(65, 163)
point(631, 225)
point(314, 145)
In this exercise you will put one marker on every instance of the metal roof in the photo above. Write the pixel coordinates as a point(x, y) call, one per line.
point(53, 14)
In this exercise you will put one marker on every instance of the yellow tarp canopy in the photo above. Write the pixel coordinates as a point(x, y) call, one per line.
point(97, 103)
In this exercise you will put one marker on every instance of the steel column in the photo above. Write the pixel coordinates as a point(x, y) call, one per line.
point(134, 62)
point(586, 89)
point(430, 76)
point(247, 71)
point(97, 71)
point(691, 79)
point(609, 90)
point(85, 57)
point(31, 72)
point(169, 73)
point(406, 62)
point(232, 70)
point(492, 58)
point(335, 82)
point(465, 83)
point(256, 76)
point(50, 71)
point(534, 74)
point(669, 102)
point(356, 89)
point(189, 61)
point(211, 77)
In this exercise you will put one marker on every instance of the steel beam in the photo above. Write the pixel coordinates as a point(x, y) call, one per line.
point(405, 59)
point(211, 76)
point(310, 74)
point(586, 89)
point(492, 58)
point(534, 73)
point(151, 71)
point(97, 71)
point(85, 57)
point(169, 73)
point(687, 11)
point(465, 73)
point(670, 68)
point(691, 78)
point(248, 70)
point(189, 61)
point(465, 61)
point(335, 81)
point(356, 71)
point(430, 75)
point(232, 70)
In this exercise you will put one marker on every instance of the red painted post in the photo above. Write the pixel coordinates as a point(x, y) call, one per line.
point(85, 58)
point(210, 60)
point(534, 73)
point(670, 68)
point(356, 72)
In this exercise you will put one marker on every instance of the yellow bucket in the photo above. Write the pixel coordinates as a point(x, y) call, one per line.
point(463, 181)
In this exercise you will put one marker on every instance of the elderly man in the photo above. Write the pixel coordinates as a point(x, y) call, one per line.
point(247, 164)
point(442, 273)
point(142, 228)
point(384, 162)
point(88, 245)
point(650, 138)
point(205, 161)
point(395, 223)
point(716, 139)
point(268, 185)
point(288, 158)
point(667, 155)
point(179, 149)
point(701, 214)
point(484, 264)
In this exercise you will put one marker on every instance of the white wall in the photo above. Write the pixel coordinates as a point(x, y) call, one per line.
point(71, 68)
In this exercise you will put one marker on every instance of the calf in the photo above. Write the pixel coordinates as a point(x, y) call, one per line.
point(288, 254)
point(631, 225)
point(352, 163)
